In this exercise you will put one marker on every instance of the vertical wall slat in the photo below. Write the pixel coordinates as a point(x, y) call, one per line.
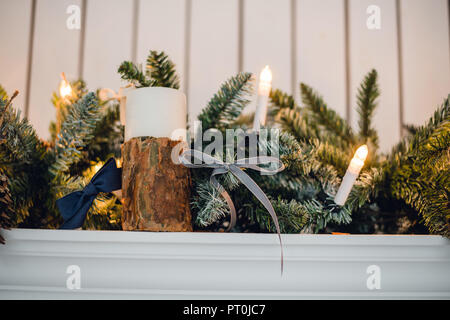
point(376, 48)
point(214, 49)
point(107, 42)
point(426, 66)
point(14, 32)
point(55, 50)
point(321, 50)
point(161, 27)
point(266, 41)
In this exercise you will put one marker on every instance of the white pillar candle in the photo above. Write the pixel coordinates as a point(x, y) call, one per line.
point(265, 84)
point(154, 112)
point(350, 176)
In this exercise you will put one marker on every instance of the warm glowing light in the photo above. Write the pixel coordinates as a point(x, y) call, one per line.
point(351, 175)
point(98, 166)
point(362, 152)
point(265, 81)
point(65, 90)
point(266, 75)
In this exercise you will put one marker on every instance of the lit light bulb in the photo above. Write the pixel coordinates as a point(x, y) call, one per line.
point(351, 175)
point(65, 90)
point(362, 152)
point(265, 84)
point(265, 81)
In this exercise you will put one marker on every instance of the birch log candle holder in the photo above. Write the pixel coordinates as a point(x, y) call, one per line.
point(156, 191)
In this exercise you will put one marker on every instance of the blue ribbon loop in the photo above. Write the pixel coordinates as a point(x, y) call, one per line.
point(75, 206)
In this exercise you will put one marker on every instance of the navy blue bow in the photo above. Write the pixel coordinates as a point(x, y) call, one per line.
point(75, 206)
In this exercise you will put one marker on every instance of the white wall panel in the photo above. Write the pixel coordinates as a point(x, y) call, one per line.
point(212, 34)
point(214, 50)
point(15, 18)
point(108, 41)
point(426, 66)
point(56, 49)
point(161, 27)
point(321, 50)
point(376, 48)
point(266, 30)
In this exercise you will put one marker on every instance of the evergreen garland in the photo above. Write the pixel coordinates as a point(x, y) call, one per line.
point(315, 146)
point(420, 174)
point(38, 172)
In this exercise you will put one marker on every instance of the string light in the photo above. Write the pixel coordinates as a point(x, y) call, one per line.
point(351, 174)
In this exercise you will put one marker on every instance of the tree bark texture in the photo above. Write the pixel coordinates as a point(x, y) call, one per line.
point(156, 191)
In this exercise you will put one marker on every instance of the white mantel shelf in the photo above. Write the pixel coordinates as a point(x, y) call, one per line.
point(147, 265)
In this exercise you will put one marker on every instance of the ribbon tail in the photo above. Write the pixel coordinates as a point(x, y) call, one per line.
point(261, 196)
point(227, 198)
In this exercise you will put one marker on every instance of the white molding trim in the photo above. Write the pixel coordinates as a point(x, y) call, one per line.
point(147, 265)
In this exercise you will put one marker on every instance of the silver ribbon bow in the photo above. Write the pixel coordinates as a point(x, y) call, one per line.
point(221, 167)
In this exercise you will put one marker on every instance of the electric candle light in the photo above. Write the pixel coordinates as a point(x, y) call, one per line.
point(350, 176)
point(265, 84)
point(65, 90)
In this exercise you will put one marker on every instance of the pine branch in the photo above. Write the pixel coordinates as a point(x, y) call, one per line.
point(162, 70)
point(209, 206)
point(227, 104)
point(326, 117)
point(281, 101)
point(292, 216)
point(410, 129)
point(62, 104)
point(368, 93)
point(420, 174)
point(366, 189)
point(19, 142)
point(76, 133)
point(130, 72)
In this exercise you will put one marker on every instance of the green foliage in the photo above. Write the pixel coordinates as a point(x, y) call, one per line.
point(37, 172)
point(131, 73)
point(7, 214)
point(292, 216)
point(227, 104)
point(316, 148)
point(281, 101)
point(209, 206)
point(3, 93)
point(76, 132)
point(420, 173)
point(160, 72)
point(326, 117)
point(366, 100)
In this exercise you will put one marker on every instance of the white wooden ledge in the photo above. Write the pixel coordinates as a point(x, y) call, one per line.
point(118, 264)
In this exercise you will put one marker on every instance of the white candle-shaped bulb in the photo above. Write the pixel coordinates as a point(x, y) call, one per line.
point(265, 81)
point(350, 176)
point(265, 84)
point(65, 90)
